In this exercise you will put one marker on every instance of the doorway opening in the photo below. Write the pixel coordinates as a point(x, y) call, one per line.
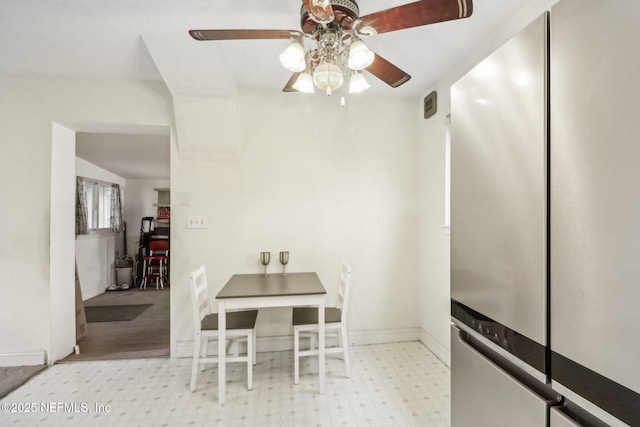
point(136, 158)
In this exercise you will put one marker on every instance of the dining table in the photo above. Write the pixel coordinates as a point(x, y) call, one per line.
point(244, 291)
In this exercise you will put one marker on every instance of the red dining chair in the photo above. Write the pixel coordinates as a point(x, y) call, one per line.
point(155, 264)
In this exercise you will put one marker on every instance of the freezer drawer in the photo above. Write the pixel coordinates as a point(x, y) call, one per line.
point(485, 395)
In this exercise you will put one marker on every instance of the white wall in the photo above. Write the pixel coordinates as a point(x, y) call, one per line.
point(95, 255)
point(28, 107)
point(62, 307)
point(299, 173)
point(89, 170)
point(434, 238)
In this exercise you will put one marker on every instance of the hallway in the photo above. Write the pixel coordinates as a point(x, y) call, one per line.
point(145, 336)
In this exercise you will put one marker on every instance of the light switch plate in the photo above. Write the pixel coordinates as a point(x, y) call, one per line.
point(196, 221)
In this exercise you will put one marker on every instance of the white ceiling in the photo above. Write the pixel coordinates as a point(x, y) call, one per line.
point(131, 156)
point(148, 40)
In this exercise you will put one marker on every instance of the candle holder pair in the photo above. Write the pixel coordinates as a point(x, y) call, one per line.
point(265, 258)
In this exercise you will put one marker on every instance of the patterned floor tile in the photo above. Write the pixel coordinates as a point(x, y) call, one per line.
point(400, 384)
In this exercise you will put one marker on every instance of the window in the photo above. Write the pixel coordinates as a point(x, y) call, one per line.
point(98, 199)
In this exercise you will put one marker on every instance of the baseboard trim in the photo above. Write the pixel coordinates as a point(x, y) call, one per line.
point(436, 347)
point(94, 292)
point(285, 342)
point(23, 359)
point(384, 336)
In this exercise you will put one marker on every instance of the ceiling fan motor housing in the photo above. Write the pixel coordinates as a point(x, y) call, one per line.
point(345, 13)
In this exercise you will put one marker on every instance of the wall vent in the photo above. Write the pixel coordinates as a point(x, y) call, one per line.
point(430, 105)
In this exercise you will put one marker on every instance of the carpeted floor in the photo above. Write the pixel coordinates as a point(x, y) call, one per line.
point(147, 335)
point(12, 377)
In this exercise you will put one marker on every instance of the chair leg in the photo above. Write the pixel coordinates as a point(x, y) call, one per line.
point(255, 359)
point(204, 349)
point(194, 367)
point(143, 284)
point(250, 360)
point(296, 355)
point(345, 349)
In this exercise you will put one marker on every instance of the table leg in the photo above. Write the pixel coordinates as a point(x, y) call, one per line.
point(222, 350)
point(321, 348)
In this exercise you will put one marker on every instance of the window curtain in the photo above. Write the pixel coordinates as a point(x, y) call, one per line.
point(117, 219)
point(81, 208)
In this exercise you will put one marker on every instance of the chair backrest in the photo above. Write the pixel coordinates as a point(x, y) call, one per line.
point(159, 245)
point(199, 296)
point(343, 291)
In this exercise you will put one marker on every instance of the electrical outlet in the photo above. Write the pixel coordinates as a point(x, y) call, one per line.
point(196, 221)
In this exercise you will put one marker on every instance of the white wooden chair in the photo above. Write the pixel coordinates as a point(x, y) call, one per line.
point(305, 324)
point(241, 326)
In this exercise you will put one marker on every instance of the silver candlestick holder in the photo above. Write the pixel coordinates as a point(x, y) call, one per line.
point(265, 258)
point(284, 260)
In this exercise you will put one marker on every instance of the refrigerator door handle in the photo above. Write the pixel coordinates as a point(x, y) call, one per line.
point(499, 362)
point(501, 353)
point(484, 394)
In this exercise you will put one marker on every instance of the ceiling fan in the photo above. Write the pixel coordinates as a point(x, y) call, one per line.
point(330, 45)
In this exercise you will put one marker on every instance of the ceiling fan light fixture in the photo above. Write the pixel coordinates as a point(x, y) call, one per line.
point(328, 76)
point(358, 83)
point(367, 30)
point(304, 83)
point(293, 57)
point(331, 30)
point(360, 57)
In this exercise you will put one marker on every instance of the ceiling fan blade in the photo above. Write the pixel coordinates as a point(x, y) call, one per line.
point(387, 72)
point(243, 34)
point(289, 86)
point(419, 13)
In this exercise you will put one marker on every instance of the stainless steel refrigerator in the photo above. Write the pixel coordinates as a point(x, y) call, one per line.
point(545, 226)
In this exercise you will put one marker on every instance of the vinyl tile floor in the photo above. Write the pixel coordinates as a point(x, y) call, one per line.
point(399, 384)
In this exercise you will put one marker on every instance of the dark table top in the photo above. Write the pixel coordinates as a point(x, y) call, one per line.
point(272, 285)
